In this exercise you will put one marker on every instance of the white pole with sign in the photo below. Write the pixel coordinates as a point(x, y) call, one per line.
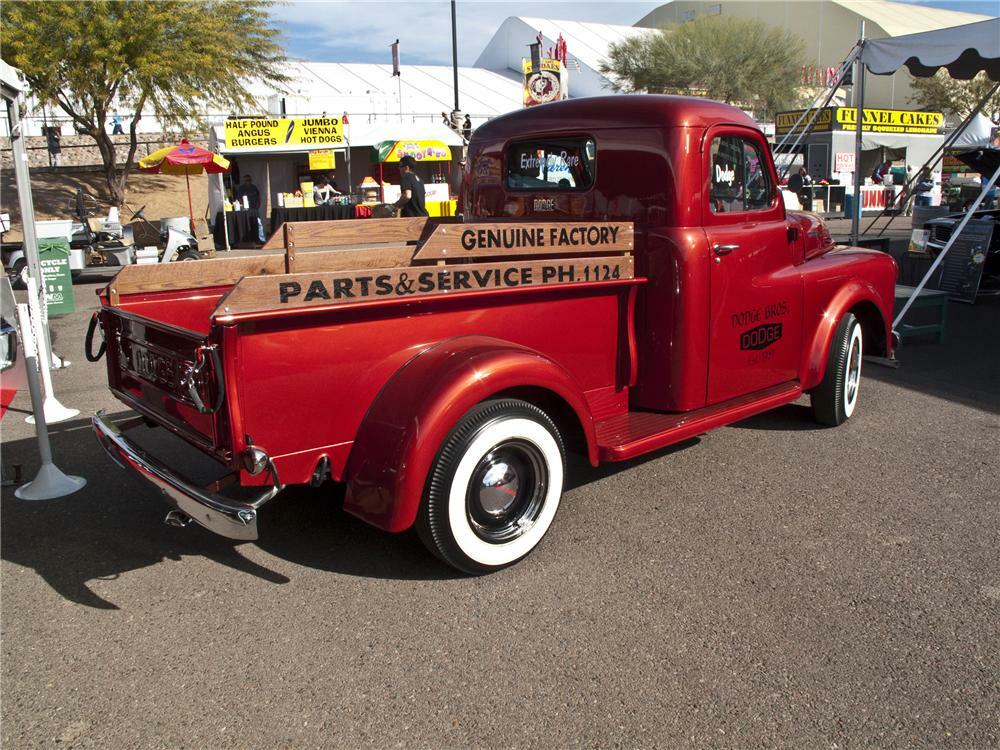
point(54, 411)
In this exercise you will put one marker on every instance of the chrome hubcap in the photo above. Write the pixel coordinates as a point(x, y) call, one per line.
point(506, 491)
point(853, 372)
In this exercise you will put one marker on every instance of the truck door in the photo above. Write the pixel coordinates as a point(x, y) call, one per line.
point(756, 305)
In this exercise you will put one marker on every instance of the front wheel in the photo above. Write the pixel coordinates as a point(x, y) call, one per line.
point(494, 488)
point(835, 399)
point(188, 255)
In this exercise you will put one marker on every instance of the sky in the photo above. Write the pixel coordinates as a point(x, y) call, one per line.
point(348, 31)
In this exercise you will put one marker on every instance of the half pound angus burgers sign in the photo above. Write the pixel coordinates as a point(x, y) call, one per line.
point(582, 249)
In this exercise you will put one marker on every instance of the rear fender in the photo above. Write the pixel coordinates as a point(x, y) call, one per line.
point(864, 299)
point(413, 414)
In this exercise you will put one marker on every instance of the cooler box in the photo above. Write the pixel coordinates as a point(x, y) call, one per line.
point(54, 229)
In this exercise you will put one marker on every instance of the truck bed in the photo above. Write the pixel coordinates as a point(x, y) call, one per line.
point(276, 330)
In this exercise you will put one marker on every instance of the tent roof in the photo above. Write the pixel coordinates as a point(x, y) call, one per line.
point(897, 19)
point(587, 42)
point(976, 135)
point(963, 50)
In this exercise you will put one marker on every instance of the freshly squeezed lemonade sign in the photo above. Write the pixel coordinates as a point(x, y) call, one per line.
point(291, 133)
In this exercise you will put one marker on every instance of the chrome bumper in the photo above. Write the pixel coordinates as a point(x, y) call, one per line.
point(229, 518)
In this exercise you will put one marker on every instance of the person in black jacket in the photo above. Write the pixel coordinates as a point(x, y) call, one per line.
point(799, 183)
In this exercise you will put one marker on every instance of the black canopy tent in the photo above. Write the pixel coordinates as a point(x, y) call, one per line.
point(964, 51)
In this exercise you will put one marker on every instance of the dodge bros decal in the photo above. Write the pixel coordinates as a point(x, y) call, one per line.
point(762, 335)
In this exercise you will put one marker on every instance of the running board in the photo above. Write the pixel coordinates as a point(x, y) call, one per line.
point(629, 435)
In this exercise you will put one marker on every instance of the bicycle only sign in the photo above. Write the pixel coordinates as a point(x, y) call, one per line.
point(53, 256)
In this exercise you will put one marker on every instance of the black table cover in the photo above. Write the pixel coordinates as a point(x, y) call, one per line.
point(280, 215)
point(243, 228)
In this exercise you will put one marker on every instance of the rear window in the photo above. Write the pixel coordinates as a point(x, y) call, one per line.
point(562, 164)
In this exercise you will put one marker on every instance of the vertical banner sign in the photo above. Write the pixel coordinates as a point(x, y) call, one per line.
point(395, 57)
point(53, 255)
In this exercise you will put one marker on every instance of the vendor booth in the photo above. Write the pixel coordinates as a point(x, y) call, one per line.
point(904, 138)
point(282, 156)
point(433, 169)
point(286, 156)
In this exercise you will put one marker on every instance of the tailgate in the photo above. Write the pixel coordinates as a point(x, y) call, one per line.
point(163, 372)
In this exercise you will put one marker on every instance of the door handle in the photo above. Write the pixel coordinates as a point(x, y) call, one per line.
point(724, 249)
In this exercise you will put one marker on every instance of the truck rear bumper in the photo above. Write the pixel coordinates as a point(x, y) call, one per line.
point(229, 518)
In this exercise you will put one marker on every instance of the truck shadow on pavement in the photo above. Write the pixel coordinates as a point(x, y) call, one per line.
point(964, 368)
point(115, 525)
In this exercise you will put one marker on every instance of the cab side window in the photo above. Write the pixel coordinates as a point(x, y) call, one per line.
point(739, 180)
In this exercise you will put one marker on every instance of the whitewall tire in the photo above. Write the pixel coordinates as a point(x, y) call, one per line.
point(494, 488)
point(836, 398)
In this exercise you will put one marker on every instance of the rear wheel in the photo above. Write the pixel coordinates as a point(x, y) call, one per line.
point(494, 488)
point(835, 399)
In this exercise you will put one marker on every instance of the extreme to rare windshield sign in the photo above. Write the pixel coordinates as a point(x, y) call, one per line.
point(283, 133)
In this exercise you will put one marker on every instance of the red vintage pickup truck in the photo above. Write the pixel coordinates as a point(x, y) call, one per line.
point(625, 277)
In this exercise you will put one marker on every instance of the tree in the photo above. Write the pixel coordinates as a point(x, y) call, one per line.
point(730, 59)
point(942, 93)
point(92, 58)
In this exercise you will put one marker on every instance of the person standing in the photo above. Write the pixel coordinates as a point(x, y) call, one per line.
point(116, 123)
point(801, 184)
point(878, 174)
point(322, 192)
point(467, 129)
point(925, 184)
point(52, 136)
point(248, 190)
point(411, 189)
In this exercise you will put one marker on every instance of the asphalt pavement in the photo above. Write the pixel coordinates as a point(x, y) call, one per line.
point(770, 584)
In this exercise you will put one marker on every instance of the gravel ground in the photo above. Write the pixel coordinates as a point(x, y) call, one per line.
point(770, 584)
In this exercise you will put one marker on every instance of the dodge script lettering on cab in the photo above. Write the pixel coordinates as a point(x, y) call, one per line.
point(624, 276)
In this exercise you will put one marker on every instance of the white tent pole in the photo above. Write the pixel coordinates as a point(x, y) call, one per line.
point(859, 82)
point(947, 246)
point(225, 221)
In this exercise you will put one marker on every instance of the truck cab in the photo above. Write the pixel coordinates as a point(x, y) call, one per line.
point(723, 312)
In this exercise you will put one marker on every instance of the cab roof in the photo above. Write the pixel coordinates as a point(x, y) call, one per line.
point(621, 111)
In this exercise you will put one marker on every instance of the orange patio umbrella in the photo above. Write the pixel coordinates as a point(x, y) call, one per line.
point(185, 159)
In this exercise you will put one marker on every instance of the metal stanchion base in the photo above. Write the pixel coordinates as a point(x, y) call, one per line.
point(54, 412)
point(48, 484)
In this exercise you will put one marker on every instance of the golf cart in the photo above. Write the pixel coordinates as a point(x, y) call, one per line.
point(99, 246)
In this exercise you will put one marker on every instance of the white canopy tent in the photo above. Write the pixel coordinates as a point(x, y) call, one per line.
point(964, 51)
point(975, 135)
